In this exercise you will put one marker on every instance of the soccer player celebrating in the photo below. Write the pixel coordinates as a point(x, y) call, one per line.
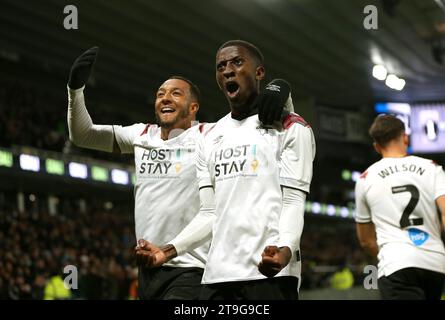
point(253, 182)
point(166, 190)
point(397, 218)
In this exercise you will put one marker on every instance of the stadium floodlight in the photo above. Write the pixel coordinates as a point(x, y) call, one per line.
point(395, 82)
point(400, 84)
point(99, 173)
point(355, 176)
point(391, 80)
point(119, 176)
point(379, 72)
point(29, 162)
point(344, 212)
point(330, 210)
point(6, 159)
point(78, 170)
point(316, 207)
point(54, 166)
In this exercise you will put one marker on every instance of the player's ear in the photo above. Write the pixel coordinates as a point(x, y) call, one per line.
point(405, 139)
point(260, 73)
point(377, 148)
point(193, 108)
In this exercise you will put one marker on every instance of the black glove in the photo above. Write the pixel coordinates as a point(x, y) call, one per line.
point(81, 69)
point(272, 100)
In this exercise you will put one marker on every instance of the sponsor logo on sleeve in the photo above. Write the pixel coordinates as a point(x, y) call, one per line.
point(417, 236)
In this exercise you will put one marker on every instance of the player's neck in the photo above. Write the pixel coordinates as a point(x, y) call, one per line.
point(165, 132)
point(240, 115)
point(394, 153)
point(243, 111)
point(173, 131)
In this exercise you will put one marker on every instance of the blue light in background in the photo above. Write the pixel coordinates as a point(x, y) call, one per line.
point(381, 107)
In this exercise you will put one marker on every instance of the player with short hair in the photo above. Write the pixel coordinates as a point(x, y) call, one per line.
point(166, 188)
point(253, 182)
point(397, 202)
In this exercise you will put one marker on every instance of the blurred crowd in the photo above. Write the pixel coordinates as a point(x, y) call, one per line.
point(330, 248)
point(33, 118)
point(35, 247)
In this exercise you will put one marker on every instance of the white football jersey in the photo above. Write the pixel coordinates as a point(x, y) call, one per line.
point(246, 165)
point(166, 188)
point(398, 196)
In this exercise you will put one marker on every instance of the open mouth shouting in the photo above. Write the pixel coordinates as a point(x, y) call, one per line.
point(166, 113)
point(232, 89)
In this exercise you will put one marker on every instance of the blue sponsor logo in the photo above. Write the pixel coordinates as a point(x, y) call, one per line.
point(418, 237)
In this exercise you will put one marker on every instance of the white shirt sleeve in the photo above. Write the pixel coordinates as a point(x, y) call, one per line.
point(82, 131)
point(362, 211)
point(291, 219)
point(439, 188)
point(297, 157)
point(125, 136)
point(202, 167)
point(199, 230)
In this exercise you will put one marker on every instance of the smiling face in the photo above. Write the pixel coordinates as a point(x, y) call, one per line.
point(238, 75)
point(175, 106)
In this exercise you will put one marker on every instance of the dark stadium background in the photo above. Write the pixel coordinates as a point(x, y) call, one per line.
point(49, 219)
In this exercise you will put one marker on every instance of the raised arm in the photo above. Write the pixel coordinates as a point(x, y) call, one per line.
point(82, 131)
